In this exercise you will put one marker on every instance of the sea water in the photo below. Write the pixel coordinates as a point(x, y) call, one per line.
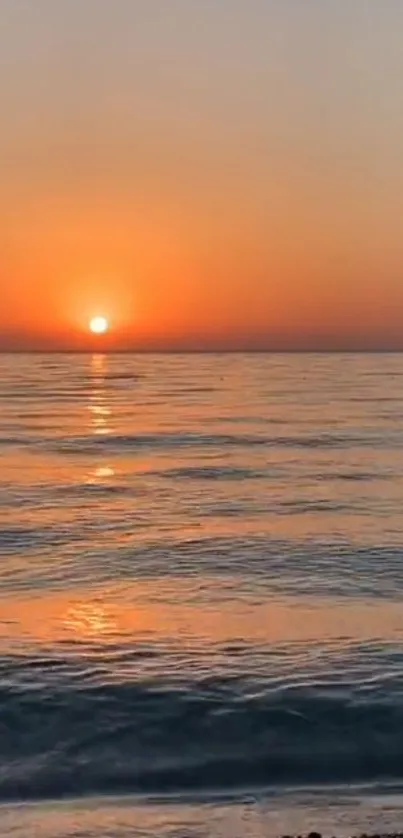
point(201, 570)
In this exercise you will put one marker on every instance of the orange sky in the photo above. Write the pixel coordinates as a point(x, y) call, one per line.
point(207, 175)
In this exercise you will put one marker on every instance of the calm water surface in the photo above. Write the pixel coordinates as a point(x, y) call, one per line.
point(201, 583)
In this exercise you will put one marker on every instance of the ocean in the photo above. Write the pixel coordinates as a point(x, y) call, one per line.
point(201, 569)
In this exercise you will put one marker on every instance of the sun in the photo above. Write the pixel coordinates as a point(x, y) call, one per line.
point(98, 325)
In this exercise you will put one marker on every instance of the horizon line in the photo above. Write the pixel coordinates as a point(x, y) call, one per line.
point(100, 351)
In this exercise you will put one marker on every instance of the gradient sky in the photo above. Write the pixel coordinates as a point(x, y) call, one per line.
point(207, 173)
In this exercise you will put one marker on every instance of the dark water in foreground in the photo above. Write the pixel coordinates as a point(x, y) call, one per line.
point(201, 582)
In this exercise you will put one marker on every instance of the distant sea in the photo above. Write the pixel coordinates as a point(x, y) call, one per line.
point(201, 569)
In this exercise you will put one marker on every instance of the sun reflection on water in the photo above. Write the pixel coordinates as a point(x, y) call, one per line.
point(100, 411)
point(99, 406)
point(103, 472)
point(89, 619)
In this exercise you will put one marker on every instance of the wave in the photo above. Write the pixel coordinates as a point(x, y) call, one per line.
point(209, 735)
point(161, 441)
point(86, 548)
point(211, 473)
point(116, 443)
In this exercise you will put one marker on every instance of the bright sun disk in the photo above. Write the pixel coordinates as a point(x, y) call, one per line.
point(99, 325)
